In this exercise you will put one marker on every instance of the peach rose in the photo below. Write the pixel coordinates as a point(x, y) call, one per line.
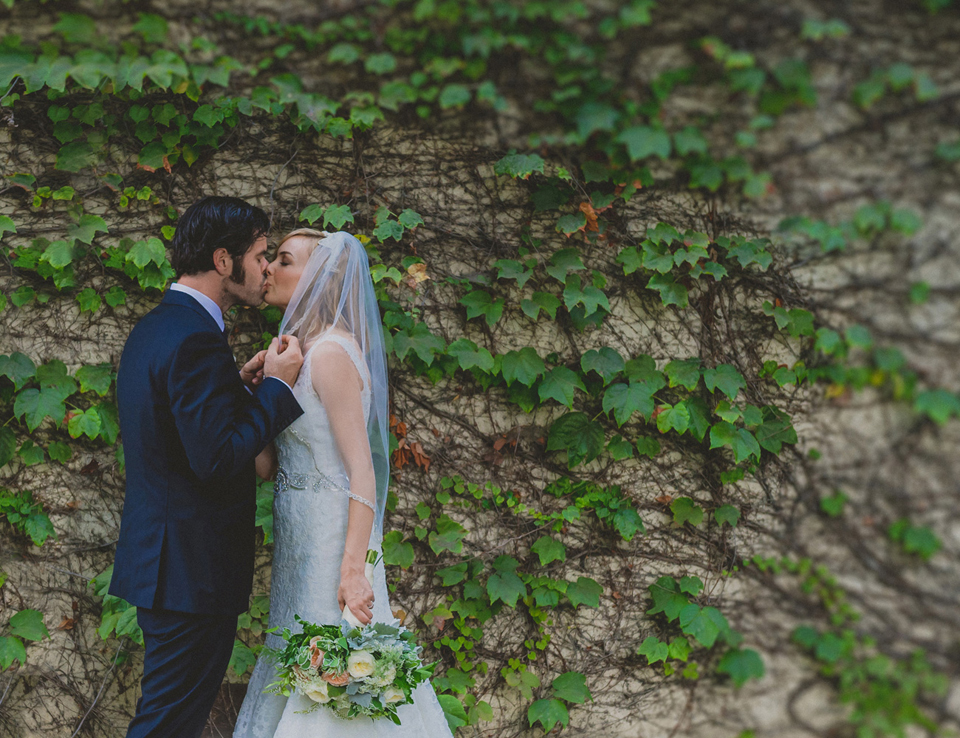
point(337, 680)
point(316, 658)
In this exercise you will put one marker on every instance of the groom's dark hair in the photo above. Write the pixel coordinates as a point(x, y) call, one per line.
point(213, 223)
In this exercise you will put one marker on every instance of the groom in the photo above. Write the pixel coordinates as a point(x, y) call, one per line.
point(191, 431)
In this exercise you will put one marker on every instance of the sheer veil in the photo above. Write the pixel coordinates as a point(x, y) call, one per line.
point(335, 293)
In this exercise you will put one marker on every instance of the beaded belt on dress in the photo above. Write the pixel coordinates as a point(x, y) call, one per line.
point(315, 481)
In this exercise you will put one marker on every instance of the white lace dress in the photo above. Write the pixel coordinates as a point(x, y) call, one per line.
point(310, 511)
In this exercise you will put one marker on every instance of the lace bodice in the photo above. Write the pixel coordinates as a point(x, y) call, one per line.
point(306, 450)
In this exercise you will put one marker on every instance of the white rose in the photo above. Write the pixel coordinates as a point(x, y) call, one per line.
point(318, 692)
point(392, 694)
point(361, 664)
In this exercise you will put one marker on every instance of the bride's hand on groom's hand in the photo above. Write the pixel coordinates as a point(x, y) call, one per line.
point(283, 360)
point(252, 371)
point(355, 592)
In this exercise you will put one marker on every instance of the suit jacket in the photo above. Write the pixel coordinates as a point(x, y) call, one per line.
point(191, 432)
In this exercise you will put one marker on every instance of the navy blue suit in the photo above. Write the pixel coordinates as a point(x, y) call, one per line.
point(185, 556)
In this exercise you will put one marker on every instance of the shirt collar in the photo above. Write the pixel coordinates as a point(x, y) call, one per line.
point(209, 305)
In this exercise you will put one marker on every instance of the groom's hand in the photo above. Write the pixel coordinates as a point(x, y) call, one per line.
point(283, 359)
point(252, 371)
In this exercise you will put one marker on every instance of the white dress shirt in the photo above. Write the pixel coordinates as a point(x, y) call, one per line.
point(215, 312)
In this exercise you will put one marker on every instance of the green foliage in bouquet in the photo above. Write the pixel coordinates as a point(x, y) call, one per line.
point(357, 672)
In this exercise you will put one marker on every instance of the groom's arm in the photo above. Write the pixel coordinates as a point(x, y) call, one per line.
point(222, 428)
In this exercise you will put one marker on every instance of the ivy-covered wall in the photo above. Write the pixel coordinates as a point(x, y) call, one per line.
point(671, 296)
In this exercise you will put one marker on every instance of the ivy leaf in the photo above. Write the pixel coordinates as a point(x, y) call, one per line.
point(145, 252)
point(620, 449)
point(28, 624)
point(344, 53)
point(654, 650)
point(628, 523)
point(115, 296)
point(388, 229)
point(448, 536)
point(644, 141)
point(95, 377)
point(35, 405)
point(57, 451)
point(7, 225)
point(506, 586)
point(741, 665)
point(540, 301)
point(408, 218)
point(679, 648)
point(519, 166)
point(939, 405)
point(559, 384)
point(11, 649)
point(549, 549)
point(727, 514)
point(512, 269)
point(686, 510)
point(572, 687)
point(772, 434)
point(479, 303)
point(630, 258)
point(745, 445)
point(89, 300)
point(699, 417)
point(584, 591)
point(453, 574)
point(58, 254)
point(667, 598)
point(85, 423)
point(563, 262)
point(673, 418)
point(337, 215)
point(548, 713)
point(683, 373)
point(657, 257)
point(689, 141)
point(242, 658)
point(595, 116)
point(75, 156)
point(571, 223)
point(39, 528)
point(396, 551)
point(578, 435)
point(76, 28)
point(469, 355)
point(8, 446)
point(522, 366)
point(31, 454)
point(627, 398)
point(382, 63)
point(700, 623)
point(454, 96)
point(691, 585)
point(671, 293)
point(418, 339)
point(589, 296)
point(606, 362)
point(726, 378)
point(154, 30)
point(647, 446)
point(18, 368)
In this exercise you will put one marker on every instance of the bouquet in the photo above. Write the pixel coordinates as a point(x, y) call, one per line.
point(357, 671)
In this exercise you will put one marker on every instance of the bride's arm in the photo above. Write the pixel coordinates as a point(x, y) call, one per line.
point(337, 383)
point(266, 462)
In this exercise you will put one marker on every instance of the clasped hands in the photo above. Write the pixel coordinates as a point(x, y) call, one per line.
point(282, 359)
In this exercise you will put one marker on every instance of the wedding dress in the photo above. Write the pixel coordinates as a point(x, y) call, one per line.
point(310, 508)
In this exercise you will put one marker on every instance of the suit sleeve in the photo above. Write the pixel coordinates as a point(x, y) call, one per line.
point(223, 428)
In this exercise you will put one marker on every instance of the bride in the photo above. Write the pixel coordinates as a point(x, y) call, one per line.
point(331, 468)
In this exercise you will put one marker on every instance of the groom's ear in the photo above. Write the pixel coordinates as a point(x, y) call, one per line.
point(222, 262)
